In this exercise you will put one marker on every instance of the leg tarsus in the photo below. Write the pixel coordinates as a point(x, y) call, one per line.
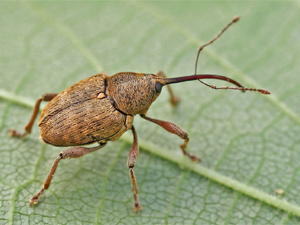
point(35, 199)
point(137, 206)
point(191, 156)
point(15, 133)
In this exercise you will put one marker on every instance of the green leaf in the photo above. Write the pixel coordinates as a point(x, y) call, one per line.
point(248, 142)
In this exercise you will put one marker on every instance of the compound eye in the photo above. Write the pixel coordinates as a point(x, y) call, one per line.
point(158, 87)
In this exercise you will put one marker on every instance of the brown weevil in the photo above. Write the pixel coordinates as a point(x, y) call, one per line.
point(101, 108)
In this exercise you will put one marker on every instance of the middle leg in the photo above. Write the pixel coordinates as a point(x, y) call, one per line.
point(173, 98)
point(133, 154)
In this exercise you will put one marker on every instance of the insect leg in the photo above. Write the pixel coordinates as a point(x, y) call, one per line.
point(45, 97)
point(133, 154)
point(174, 129)
point(74, 152)
point(173, 98)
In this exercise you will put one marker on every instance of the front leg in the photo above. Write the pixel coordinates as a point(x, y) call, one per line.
point(174, 129)
point(133, 154)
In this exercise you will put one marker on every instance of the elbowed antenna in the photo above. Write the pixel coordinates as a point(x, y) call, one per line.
point(199, 77)
point(237, 18)
point(166, 81)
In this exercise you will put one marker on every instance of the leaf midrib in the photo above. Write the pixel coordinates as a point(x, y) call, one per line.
point(183, 162)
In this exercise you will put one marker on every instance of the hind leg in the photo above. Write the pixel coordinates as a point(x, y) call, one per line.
point(74, 152)
point(28, 127)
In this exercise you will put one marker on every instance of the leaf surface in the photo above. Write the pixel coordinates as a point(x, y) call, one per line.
point(249, 143)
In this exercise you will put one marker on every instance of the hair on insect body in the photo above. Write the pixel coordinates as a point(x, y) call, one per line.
point(101, 108)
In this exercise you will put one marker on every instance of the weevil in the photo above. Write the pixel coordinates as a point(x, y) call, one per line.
point(101, 108)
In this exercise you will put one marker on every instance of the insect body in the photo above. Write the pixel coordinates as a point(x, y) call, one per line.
point(101, 108)
point(79, 115)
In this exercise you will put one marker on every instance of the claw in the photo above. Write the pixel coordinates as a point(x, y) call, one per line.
point(137, 207)
point(35, 199)
point(15, 133)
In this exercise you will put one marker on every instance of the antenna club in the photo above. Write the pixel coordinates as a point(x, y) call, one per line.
point(265, 92)
point(236, 19)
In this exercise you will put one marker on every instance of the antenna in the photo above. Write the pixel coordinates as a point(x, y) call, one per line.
point(212, 40)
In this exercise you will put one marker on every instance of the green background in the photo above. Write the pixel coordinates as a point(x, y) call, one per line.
point(247, 141)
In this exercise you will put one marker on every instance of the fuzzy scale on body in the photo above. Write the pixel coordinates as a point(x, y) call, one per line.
point(77, 116)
